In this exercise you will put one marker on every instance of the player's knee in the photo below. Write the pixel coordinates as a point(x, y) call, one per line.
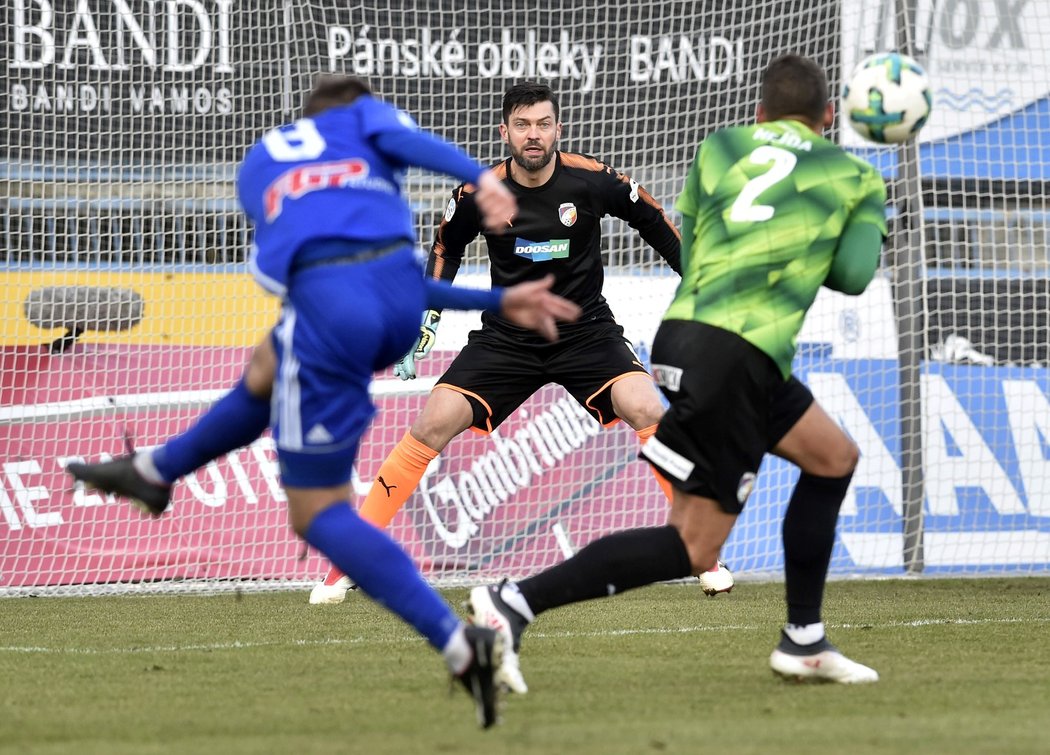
point(703, 555)
point(849, 457)
point(636, 401)
point(643, 413)
point(441, 421)
point(259, 374)
point(304, 504)
point(841, 460)
point(433, 435)
point(647, 419)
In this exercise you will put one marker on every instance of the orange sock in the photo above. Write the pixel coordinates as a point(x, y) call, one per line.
point(397, 479)
point(644, 435)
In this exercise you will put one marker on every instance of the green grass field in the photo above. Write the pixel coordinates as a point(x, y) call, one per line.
point(965, 668)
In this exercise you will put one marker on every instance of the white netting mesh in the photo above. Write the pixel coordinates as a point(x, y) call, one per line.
point(121, 127)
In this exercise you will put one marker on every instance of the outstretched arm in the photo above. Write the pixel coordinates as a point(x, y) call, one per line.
point(423, 150)
point(528, 305)
point(627, 199)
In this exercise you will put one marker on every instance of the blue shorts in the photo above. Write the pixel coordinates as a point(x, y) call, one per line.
point(340, 323)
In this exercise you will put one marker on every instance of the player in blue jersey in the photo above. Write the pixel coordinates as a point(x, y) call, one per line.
point(334, 238)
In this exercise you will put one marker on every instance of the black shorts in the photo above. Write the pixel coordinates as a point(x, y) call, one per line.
point(730, 405)
point(497, 372)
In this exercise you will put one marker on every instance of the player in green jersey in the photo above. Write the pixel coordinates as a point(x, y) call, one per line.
point(772, 212)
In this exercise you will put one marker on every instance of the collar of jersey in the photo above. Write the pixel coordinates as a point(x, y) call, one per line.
point(541, 187)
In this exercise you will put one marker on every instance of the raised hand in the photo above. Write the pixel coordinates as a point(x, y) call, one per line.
point(497, 205)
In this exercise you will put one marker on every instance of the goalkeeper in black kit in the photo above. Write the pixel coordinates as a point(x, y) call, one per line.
point(562, 198)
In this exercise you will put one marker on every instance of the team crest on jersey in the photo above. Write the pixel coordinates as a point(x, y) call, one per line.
point(567, 214)
point(450, 210)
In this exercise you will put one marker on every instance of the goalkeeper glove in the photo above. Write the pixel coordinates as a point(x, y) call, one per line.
point(406, 367)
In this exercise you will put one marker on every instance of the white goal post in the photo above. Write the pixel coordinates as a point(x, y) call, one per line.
point(121, 126)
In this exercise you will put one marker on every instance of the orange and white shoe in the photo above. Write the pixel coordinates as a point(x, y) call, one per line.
point(716, 580)
point(332, 589)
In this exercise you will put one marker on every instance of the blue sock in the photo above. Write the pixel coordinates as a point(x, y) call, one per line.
point(385, 572)
point(234, 421)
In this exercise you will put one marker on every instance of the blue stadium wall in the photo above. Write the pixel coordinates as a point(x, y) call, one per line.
point(993, 516)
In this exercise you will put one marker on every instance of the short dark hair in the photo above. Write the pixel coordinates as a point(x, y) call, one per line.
point(794, 85)
point(331, 90)
point(528, 93)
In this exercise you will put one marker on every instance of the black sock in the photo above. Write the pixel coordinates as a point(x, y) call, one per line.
point(809, 535)
point(610, 565)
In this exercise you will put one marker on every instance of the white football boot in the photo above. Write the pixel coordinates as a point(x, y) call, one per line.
point(818, 662)
point(332, 589)
point(716, 580)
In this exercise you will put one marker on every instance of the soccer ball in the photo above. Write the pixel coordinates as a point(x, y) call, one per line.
point(887, 99)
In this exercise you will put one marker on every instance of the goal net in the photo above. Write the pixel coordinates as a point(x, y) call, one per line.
point(121, 127)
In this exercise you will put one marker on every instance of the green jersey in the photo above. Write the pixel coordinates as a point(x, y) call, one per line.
point(770, 204)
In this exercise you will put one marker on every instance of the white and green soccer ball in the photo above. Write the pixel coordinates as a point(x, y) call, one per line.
point(887, 98)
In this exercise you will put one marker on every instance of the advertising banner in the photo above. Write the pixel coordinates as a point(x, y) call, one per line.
point(989, 75)
point(548, 480)
point(121, 82)
point(986, 466)
point(546, 483)
point(195, 81)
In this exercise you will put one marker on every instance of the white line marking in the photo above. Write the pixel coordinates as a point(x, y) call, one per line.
point(236, 645)
point(93, 405)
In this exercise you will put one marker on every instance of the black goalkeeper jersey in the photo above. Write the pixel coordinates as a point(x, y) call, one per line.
point(557, 230)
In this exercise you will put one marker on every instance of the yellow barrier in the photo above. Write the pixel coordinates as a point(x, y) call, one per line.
point(184, 309)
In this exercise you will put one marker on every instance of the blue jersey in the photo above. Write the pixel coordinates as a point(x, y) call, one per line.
point(324, 178)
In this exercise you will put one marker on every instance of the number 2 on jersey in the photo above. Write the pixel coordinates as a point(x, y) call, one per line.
point(744, 209)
